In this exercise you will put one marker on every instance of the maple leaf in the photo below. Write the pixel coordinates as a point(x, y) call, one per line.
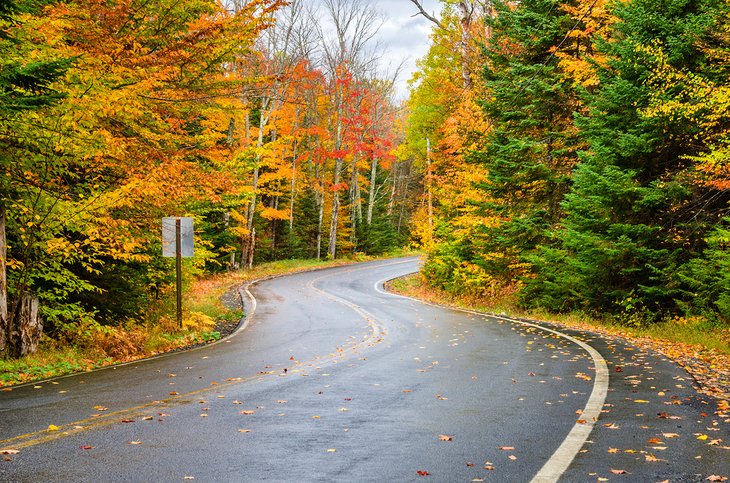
point(422, 473)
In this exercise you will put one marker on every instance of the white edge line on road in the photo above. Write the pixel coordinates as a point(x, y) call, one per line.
point(561, 459)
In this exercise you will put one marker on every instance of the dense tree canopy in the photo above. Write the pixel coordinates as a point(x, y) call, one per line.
point(604, 163)
point(114, 114)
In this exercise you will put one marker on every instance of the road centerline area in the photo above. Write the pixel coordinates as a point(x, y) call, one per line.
point(332, 379)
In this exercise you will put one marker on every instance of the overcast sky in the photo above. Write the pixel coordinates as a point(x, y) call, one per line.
point(404, 36)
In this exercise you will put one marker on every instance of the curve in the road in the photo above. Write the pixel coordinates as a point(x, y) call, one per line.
point(578, 435)
point(551, 471)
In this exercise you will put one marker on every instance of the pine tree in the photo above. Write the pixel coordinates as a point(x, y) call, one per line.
point(632, 215)
point(532, 146)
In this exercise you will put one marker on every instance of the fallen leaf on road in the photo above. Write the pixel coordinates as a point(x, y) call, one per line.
point(244, 430)
point(512, 457)
point(641, 401)
point(619, 472)
point(651, 457)
point(489, 467)
point(135, 442)
point(702, 437)
point(716, 478)
point(86, 446)
point(53, 427)
point(670, 435)
point(332, 450)
point(422, 473)
point(613, 450)
point(655, 441)
point(444, 437)
point(127, 420)
point(9, 451)
point(506, 448)
point(100, 408)
point(173, 393)
point(247, 412)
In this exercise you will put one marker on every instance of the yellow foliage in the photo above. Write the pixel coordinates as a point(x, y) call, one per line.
point(198, 322)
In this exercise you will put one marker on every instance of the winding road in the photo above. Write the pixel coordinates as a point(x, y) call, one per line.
point(333, 379)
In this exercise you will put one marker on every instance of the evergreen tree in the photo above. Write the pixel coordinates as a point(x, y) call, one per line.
point(531, 149)
point(632, 216)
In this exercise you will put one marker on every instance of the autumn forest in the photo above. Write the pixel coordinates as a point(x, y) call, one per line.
point(567, 155)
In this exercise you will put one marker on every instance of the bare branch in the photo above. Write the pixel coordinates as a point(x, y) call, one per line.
point(430, 17)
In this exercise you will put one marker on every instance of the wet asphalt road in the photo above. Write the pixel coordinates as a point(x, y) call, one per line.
point(334, 380)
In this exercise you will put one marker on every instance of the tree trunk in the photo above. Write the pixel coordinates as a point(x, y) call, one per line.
point(3, 282)
point(429, 183)
point(26, 326)
point(334, 219)
point(465, 22)
point(371, 198)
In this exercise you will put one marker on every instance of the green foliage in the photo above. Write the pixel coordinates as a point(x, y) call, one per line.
point(604, 196)
point(531, 148)
point(630, 216)
point(706, 279)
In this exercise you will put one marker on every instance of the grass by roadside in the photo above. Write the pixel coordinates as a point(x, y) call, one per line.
point(704, 351)
point(206, 318)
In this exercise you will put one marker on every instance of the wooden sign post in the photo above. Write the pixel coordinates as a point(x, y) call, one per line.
point(177, 241)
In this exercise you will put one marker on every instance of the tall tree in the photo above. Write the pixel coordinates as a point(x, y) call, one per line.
point(345, 55)
point(632, 216)
point(24, 87)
